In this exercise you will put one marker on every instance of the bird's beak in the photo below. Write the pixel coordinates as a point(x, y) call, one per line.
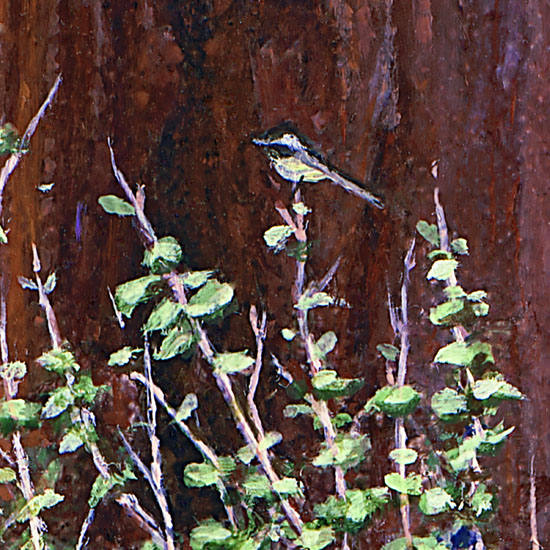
point(260, 142)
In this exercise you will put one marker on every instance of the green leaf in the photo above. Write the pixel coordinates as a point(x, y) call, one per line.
point(420, 543)
point(163, 316)
point(404, 456)
point(102, 486)
point(315, 538)
point(429, 232)
point(230, 363)
point(454, 291)
point(287, 486)
point(51, 281)
point(350, 451)
point(288, 334)
point(477, 296)
point(59, 401)
point(461, 457)
point(226, 465)
point(301, 208)
point(391, 353)
point(257, 486)
point(60, 361)
point(410, 485)
point(200, 475)
point(459, 246)
point(115, 205)
point(364, 503)
point(246, 454)
point(435, 501)
point(3, 236)
point(46, 187)
point(7, 475)
point(36, 504)
point(71, 442)
point(495, 387)
point(482, 501)
point(209, 531)
point(448, 402)
point(128, 295)
point(179, 340)
point(442, 270)
point(328, 385)
point(493, 438)
point(276, 236)
point(195, 279)
point(394, 401)
point(464, 354)
point(15, 370)
point(163, 256)
point(10, 142)
point(292, 411)
point(123, 356)
point(326, 343)
point(269, 440)
point(439, 254)
point(188, 405)
point(27, 284)
point(318, 299)
point(446, 313)
point(18, 413)
point(85, 389)
point(211, 298)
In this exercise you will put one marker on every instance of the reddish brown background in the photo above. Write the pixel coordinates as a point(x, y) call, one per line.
point(383, 87)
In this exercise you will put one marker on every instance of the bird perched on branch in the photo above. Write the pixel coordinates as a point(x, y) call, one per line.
point(295, 160)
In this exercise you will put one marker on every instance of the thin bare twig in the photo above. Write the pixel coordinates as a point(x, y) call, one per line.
point(400, 324)
point(535, 544)
point(14, 159)
point(207, 452)
point(82, 539)
point(132, 506)
point(259, 333)
point(146, 228)
point(44, 302)
point(25, 484)
point(158, 491)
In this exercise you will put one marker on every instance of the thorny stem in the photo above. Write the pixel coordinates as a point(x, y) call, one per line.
point(320, 407)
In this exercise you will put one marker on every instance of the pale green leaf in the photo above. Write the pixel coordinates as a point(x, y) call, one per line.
point(211, 298)
point(318, 299)
point(276, 236)
point(428, 231)
point(404, 456)
point(442, 269)
point(115, 205)
point(123, 356)
point(230, 363)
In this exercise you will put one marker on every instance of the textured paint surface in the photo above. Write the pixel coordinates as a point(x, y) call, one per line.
point(384, 88)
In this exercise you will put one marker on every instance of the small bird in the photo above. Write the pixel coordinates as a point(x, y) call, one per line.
point(295, 160)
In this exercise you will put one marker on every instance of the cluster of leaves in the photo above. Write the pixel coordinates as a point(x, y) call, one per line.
point(10, 142)
point(66, 408)
point(183, 302)
point(453, 485)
